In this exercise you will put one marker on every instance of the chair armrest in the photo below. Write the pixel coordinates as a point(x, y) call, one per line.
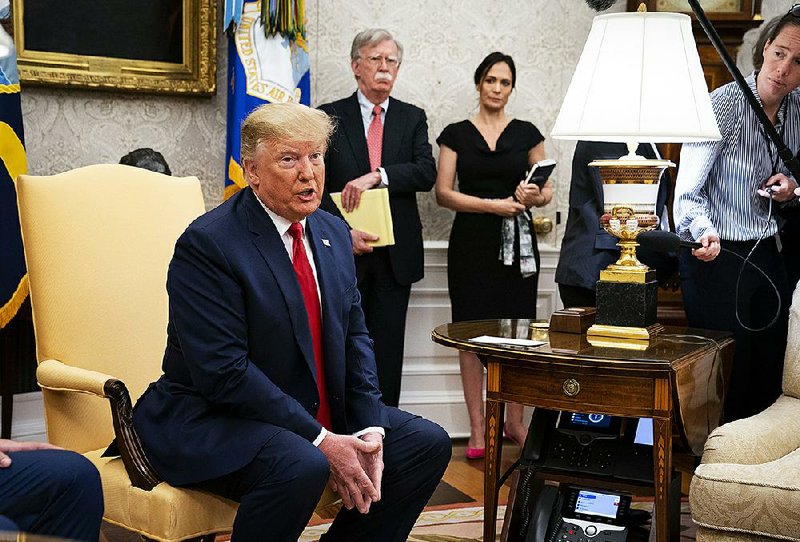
point(53, 375)
point(762, 438)
point(57, 376)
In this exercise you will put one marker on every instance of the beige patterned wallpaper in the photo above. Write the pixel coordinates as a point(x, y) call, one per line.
point(444, 41)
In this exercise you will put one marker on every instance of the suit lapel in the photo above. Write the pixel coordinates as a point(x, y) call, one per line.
point(353, 126)
point(393, 128)
point(270, 246)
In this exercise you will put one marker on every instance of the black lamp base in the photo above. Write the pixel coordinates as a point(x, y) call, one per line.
point(627, 304)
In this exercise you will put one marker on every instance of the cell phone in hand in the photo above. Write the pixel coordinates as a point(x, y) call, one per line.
point(540, 172)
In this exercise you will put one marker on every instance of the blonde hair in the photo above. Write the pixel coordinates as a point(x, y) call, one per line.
point(284, 122)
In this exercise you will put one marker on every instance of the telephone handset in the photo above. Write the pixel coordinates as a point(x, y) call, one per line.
point(546, 516)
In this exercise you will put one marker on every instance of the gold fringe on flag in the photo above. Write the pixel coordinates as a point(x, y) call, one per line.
point(284, 17)
point(9, 310)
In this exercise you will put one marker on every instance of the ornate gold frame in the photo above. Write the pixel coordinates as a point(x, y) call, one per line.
point(196, 75)
point(715, 9)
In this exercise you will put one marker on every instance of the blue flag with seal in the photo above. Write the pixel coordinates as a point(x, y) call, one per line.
point(267, 63)
point(13, 275)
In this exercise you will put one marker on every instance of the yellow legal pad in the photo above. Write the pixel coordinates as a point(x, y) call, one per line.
point(373, 215)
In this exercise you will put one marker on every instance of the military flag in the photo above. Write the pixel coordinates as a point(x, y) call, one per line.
point(13, 275)
point(267, 63)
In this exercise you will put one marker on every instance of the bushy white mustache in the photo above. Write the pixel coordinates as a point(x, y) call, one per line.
point(383, 76)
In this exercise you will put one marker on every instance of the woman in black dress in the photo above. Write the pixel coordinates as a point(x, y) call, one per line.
point(490, 153)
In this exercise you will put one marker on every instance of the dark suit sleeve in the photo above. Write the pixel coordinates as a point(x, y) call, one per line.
point(207, 310)
point(419, 173)
point(328, 205)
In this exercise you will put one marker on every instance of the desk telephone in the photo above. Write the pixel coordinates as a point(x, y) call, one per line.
point(593, 444)
point(573, 514)
point(597, 444)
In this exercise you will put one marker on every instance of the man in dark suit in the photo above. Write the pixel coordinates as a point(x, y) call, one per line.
point(257, 403)
point(381, 142)
point(587, 248)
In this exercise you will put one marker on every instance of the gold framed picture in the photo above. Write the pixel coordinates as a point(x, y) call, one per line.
point(161, 46)
point(715, 9)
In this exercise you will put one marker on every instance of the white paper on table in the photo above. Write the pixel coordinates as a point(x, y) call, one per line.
point(488, 339)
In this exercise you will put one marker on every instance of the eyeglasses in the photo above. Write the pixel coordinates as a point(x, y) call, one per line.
point(795, 10)
point(377, 60)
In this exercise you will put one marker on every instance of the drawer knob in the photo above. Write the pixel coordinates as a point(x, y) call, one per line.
point(571, 387)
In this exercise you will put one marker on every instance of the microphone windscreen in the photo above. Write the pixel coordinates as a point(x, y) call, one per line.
point(600, 5)
point(659, 241)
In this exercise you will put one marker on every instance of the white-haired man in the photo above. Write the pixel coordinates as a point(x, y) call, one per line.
point(382, 142)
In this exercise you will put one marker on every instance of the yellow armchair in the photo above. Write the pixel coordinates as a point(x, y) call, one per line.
point(98, 241)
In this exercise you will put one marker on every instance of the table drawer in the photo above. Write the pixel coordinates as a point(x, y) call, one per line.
point(581, 389)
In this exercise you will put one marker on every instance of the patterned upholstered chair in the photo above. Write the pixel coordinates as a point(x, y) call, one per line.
point(747, 488)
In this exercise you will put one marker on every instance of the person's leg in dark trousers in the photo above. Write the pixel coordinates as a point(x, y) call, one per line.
point(710, 294)
point(277, 492)
point(768, 346)
point(52, 492)
point(385, 303)
point(415, 454)
point(576, 296)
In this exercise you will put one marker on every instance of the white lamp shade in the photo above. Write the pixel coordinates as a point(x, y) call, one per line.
point(638, 79)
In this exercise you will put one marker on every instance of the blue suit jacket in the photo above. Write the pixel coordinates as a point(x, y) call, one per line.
point(239, 362)
point(587, 248)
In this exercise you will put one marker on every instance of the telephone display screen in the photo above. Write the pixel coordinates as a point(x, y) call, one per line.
point(590, 420)
point(597, 504)
point(597, 424)
point(644, 432)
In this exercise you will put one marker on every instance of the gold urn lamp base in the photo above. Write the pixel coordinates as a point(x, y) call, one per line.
point(627, 291)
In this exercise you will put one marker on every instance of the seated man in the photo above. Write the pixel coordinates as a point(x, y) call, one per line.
point(269, 387)
point(49, 491)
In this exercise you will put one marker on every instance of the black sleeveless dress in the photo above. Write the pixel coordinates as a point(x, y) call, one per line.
point(480, 285)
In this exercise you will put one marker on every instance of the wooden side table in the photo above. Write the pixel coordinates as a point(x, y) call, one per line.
point(677, 380)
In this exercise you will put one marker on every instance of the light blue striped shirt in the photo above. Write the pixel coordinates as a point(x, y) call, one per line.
point(717, 180)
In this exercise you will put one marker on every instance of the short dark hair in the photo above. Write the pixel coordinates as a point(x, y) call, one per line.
point(769, 32)
point(146, 158)
point(492, 59)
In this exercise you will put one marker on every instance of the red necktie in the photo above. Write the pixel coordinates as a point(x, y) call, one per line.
point(375, 138)
point(308, 286)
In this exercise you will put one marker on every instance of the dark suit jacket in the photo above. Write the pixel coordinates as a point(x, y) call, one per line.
point(587, 248)
point(408, 161)
point(239, 363)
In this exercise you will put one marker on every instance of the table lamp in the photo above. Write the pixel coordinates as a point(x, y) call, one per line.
point(639, 79)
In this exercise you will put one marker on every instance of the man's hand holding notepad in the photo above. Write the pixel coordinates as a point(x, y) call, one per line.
point(372, 215)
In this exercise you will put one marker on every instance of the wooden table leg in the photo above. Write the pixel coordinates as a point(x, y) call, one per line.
point(494, 446)
point(662, 465)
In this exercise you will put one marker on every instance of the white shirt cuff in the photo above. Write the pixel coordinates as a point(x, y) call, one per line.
point(324, 433)
point(320, 437)
point(370, 430)
point(384, 178)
